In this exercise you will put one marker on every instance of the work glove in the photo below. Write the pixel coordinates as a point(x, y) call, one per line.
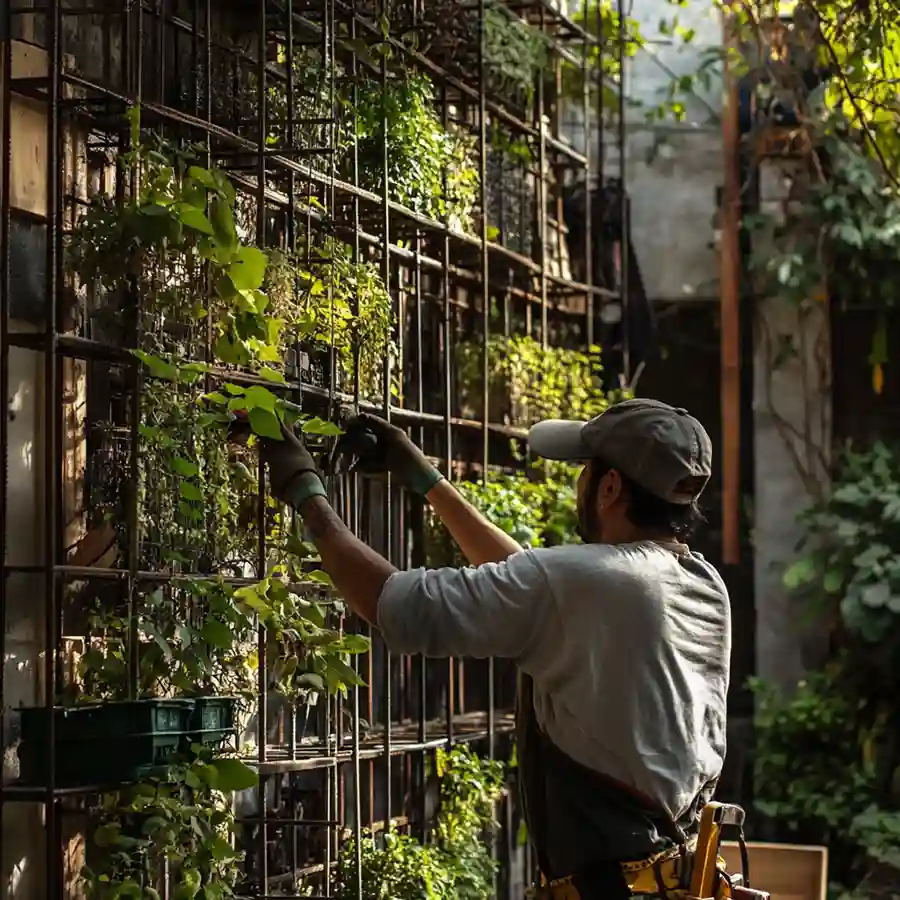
point(293, 476)
point(374, 447)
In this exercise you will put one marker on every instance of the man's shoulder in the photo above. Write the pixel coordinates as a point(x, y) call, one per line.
point(644, 568)
point(573, 562)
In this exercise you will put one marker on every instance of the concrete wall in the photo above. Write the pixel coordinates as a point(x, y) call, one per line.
point(21, 846)
point(792, 446)
point(673, 169)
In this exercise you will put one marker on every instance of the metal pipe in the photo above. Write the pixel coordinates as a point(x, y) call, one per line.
point(52, 521)
point(5, 234)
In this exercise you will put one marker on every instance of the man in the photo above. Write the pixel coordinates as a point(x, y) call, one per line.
point(623, 641)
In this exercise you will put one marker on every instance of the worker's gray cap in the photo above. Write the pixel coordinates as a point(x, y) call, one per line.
point(663, 449)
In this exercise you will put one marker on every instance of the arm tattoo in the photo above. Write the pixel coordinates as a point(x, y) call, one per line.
point(320, 519)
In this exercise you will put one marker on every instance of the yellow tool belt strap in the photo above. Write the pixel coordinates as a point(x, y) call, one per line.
point(663, 870)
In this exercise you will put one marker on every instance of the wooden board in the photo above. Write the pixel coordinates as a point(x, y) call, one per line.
point(786, 871)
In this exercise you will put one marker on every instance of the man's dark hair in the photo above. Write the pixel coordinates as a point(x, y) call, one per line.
point(648, 512)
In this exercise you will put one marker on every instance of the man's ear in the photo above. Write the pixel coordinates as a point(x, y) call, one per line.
point(611, 488)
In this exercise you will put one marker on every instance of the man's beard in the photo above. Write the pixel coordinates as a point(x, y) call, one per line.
point(589, 529)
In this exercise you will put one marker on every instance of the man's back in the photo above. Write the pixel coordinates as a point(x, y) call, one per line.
point(631, 674)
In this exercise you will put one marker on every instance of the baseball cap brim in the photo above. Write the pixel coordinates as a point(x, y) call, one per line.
point(559, 439)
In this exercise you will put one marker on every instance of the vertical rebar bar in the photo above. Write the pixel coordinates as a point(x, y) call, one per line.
point(624, 224)
point(262, 667)
point(587, 47)
point(388, 488)
point(51, 427)
point(5, 228)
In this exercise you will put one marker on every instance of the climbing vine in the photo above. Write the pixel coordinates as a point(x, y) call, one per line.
point(845, 576)
point(529, 382)
point(213, 320)
point(536, 509)
point(457, 863)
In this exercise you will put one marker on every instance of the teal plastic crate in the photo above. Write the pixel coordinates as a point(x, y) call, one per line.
point(212, 720)
point(103, 743)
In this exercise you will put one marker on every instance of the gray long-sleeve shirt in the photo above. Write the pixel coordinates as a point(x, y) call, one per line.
point(629, 647)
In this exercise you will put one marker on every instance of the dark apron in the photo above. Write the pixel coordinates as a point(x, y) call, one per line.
point(582, 824)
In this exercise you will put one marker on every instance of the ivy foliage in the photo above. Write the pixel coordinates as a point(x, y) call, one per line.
point(387, 129)
point(181, 823)
point(842, 236)
point(529, 382)
point(201, 638)
point(457, 863)
point(169, 262)
point(537, 510)
point(827, 757)
point(430, 168)
point(851, 548)
point(517, 54)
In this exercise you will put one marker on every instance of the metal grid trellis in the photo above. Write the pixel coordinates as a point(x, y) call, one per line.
point(267, 87)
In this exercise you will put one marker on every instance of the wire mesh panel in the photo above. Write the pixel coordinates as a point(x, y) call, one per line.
point(287, 210)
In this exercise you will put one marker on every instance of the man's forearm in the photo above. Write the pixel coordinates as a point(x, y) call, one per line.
point(358, 572)
point(479, 539)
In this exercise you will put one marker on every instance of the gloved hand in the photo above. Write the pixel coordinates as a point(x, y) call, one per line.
point(379, 447)
point(293, 475)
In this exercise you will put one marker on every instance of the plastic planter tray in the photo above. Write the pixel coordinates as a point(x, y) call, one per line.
point(103, 743)
point(212, 720)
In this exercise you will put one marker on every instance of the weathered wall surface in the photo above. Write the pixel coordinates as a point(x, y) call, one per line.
point(673, 169)
point(792, 432)
point(21, 831)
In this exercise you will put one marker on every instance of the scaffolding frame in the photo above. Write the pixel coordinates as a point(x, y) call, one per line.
point(162, 55)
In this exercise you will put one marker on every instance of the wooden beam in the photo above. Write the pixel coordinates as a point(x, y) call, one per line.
point(730, 324)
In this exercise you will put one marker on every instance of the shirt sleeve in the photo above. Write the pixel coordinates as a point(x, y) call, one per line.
point(497, 609)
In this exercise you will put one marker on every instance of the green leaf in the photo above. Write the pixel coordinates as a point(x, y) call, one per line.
point(217, 633)
point(265, 423)
point(221, 850)
point(194, 218)
point(189, 886)
point(159, 368)
point(833, 581)
point(258, 397)
point(249, 269)
point(182, 466)
point(250, 595)
point(320, 577)
point(233, 775)
point(271, 375)
point(876, 595)
point(190, 491)
point(107, 835)
point(316, 425)
point(346, 674)
point(310, 681)
point(355, 643)
point(202, 176)
point(801, 572)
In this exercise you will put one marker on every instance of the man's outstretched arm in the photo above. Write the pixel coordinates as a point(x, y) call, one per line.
point(392, 451)
point(358, 572)
point(480, 540)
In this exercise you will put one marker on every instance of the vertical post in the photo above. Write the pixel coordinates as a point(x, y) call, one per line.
point(52, 430)
point(388, 510)
point(448, 407)
point(624, 224)
point(588, 189)
point(5, 203)
point(730, 313)
point(262, 668)
point(354, 492)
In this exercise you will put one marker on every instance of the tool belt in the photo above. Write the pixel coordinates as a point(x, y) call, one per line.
point(665, 875)
point(691, 870)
